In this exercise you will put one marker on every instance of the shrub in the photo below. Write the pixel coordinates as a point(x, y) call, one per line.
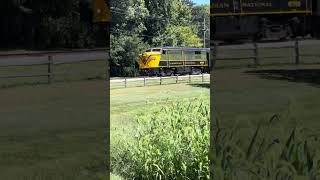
point(292, 155)
point(171, 142)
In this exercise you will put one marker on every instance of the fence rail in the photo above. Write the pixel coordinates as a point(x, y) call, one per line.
point(49, 60)
point(148, 81)
point(256, 54)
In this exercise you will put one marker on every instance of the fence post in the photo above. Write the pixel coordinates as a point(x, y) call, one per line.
point(160, 80)
point(213, 56)
point(189, 78)
point(256, 55)
point(297, 52)
point(125, 82)
point(177, 79)
point(144, 81)
point(202, 77)
point(49, 69)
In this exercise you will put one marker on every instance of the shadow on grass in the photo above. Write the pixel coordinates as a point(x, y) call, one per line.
point(38, 83)
point(311, 76)
point(201, 85)
point(6, 86)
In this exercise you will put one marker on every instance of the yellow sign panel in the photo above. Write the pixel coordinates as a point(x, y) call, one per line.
point(101, 11)
point(294, 3)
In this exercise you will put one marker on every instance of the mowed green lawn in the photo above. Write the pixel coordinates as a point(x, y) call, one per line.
point(55, 131)
point(128, 102)
point(251, 97)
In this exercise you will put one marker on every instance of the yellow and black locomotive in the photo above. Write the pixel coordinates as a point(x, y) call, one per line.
point(166, 61)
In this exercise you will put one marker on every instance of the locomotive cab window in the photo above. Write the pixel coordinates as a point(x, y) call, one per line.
point(149, 50)
point(156, 50)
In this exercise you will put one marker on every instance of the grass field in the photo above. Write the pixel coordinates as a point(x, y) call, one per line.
point(126, 103)
point(243, 96)
point(247, 98)
point(255, 94)
point(252, 94)
point(54, 131)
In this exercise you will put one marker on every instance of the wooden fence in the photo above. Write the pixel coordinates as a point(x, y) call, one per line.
point(48, 61)
point(148, 81)
point(256, 55)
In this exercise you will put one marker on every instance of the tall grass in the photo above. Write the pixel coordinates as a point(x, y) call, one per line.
point(265, 155)
point(171, 142)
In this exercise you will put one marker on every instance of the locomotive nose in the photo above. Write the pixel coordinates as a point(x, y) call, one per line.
point(143, 58)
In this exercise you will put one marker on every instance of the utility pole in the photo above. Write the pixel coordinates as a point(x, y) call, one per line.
point(204, 32)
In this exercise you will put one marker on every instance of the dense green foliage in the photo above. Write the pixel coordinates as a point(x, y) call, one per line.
point(43, 24)
point(138, 24)
point(171, 142)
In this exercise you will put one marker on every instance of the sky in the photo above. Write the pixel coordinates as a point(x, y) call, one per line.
point(201, 1)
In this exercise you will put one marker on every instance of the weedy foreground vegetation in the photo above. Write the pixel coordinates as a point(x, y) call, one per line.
point(170, 143)
point(266, 125)
point(289, 154)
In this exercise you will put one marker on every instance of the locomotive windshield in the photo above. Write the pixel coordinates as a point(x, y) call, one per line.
point(156, 50)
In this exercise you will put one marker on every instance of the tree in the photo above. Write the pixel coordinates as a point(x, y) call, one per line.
point(126, 41)
point(140, 24)
point(125, 51)
point(178, 35)
point(165, 12)
point(39, 24)
point(190, 3)
point(199, 13)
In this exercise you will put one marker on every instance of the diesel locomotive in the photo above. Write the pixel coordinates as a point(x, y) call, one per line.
point(166, 61)
point(258, 20)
